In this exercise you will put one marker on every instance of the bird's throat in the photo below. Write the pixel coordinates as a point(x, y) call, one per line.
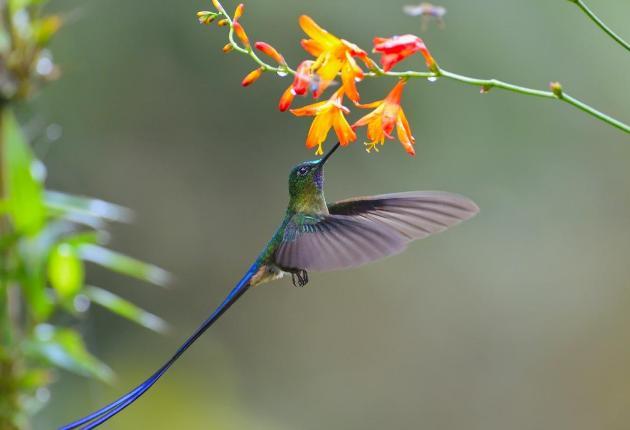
point(310, 201)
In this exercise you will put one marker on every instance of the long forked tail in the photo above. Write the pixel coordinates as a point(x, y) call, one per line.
point(98, 417)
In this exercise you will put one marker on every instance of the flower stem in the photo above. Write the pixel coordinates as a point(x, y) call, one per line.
point(494, 83)
point(484, 84)
point(600, 23)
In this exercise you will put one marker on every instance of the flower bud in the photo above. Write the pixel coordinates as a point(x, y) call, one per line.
point(286, 99)
point(270, 51)
point(206, 17)
point(239, 11)
point(252, 77)
point(240, 33)
point(217, 5)
point(228, 48)
point(223, 22)
point(556, 89)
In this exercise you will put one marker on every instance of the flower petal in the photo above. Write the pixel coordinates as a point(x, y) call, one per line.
point(327, 73)
point(349, 83)
point(313, 47)
point(318, 132)
point(310, 27)
point(372, 105)
point(344, 132)
point(310, 110)
point(405, 139)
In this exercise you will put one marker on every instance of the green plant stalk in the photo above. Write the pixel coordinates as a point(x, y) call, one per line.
point(9, 388)
point(484, 84)
point(487, 84)
point(5, 320)
point(601, 24)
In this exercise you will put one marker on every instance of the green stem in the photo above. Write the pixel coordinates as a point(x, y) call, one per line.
point(600, 23)
point(486, 84)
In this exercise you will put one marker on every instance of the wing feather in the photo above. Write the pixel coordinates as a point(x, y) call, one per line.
point(360, 230)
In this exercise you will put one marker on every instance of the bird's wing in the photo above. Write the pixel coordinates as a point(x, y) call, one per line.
point(365, 229)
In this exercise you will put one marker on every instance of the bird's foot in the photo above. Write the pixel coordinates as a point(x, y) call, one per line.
point(299, 278)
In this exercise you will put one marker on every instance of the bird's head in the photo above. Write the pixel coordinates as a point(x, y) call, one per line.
point(308, 176)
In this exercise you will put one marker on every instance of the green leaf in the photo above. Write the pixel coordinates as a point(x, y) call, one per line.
point(125, 309)
point(64, 348)
point(123, 264)
point(84, 237)
point(35, 378)
point(33, 254)
point(45, 28)
point(65, 270)
point(24, 190)
point(68, 203)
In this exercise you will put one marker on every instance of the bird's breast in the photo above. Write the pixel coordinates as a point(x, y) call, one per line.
point(266, 273)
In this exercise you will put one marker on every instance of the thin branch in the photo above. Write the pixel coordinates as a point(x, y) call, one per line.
point(600, 23)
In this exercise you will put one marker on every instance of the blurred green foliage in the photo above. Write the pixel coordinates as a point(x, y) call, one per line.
point(46, 237)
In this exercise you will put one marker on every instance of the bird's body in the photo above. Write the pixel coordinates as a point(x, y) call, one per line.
point(316, 236)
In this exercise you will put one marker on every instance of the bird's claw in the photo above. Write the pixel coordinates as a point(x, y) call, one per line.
point(299, 278)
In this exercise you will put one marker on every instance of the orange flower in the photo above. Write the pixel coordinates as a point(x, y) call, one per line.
point(334, 55)
point(301, 83)
point(397, 48)
point(386, 116)
point(328, 114)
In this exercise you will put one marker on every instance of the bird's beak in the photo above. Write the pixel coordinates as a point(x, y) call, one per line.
point(328, 154)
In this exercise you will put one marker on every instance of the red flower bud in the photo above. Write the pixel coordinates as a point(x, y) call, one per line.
point(286, 99)
point(270, 51)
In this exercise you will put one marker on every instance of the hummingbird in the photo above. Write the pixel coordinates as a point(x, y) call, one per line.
point(317, 236)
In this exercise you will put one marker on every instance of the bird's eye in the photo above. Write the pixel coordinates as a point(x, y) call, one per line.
point(303, 170)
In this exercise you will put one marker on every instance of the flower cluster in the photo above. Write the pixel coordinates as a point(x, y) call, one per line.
point(333, 59)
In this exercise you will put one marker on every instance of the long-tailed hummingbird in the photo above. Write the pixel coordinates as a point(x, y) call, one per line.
point(318, 236)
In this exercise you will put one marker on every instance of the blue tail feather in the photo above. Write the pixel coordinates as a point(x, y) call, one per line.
point(98, 417)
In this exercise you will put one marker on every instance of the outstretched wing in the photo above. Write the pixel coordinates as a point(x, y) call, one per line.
point(364, 229)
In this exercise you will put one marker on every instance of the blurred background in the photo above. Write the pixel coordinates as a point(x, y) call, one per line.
point(517, 319)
